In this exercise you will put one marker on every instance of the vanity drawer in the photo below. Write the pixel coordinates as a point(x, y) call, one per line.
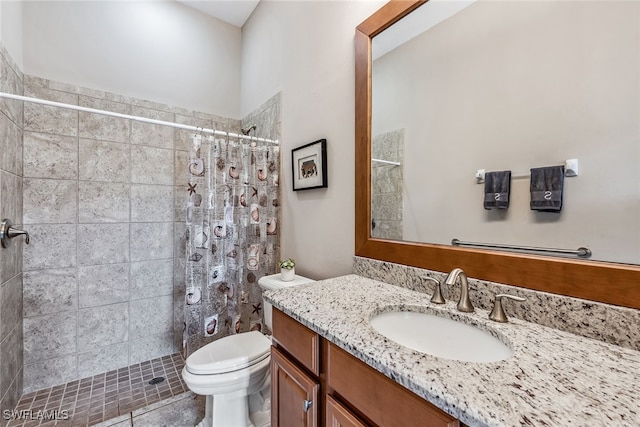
point(378, 398)
point(299, 341)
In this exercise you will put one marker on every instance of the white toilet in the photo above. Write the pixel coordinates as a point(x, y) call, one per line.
point(233, 372)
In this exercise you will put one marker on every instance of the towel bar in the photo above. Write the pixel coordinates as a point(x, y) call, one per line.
point(570, 170)
point(581, 252)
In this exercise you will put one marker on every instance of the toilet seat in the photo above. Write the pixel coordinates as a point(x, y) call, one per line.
point(229, 354)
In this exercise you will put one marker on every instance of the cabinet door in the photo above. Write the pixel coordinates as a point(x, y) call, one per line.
point(339, 416)
point(294, 394)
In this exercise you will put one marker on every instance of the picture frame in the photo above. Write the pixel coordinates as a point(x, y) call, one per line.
point(309, 166)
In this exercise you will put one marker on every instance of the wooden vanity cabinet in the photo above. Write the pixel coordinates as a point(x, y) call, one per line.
point(295, 373)
point(314, 382)
point(381, 400)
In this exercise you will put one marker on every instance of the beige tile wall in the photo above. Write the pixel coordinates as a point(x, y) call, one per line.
point(103, 201)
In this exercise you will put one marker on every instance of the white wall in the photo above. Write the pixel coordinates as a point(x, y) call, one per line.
point(11, 29)
point(159, 51)
point(306, 50)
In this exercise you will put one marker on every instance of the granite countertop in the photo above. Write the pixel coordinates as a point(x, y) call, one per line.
point(554, 378)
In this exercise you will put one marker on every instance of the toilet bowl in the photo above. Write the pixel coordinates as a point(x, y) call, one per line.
point(233, 372)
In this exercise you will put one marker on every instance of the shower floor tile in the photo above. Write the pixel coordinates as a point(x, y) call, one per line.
point(108, 396)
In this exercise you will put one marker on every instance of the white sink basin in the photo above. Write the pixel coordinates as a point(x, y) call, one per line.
point(440, 337)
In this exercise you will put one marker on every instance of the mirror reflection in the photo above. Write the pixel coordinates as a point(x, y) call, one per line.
point(509, 86)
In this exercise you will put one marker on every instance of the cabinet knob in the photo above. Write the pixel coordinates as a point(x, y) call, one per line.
point(307, 405)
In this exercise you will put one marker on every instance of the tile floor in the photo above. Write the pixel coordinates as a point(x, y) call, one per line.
point(120, 397)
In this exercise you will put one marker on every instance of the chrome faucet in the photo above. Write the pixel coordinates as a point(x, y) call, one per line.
point(464, 304)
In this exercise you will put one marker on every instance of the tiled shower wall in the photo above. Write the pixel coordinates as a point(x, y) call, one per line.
point(386, 185)
point(266, 118)
point(104, 202)
point(10, 258)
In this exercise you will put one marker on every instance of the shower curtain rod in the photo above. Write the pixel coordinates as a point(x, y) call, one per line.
point(135, 118)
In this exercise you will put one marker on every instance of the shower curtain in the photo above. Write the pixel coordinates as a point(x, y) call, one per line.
point(232, 236)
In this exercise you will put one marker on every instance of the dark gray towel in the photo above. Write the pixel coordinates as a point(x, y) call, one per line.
point(546, 188)
point(497, 186)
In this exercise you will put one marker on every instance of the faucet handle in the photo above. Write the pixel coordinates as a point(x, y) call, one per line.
point(437, 297)
point(497, 314)
point(8, 232)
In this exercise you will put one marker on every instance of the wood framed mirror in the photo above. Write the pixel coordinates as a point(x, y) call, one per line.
point(611, 283)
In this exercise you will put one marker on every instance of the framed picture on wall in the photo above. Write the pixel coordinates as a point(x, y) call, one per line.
point(309, 164)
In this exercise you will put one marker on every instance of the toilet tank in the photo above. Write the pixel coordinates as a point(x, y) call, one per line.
point(268, 283)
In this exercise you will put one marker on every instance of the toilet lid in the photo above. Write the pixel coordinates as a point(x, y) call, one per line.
point(229, 354)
